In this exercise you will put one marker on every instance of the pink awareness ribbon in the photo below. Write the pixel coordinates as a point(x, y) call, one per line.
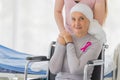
point(86, 46)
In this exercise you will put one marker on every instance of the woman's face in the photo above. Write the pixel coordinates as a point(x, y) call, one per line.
point(79, 23)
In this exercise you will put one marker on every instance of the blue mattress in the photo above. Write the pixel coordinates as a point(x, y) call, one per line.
point(109, 75)
point(14, 61)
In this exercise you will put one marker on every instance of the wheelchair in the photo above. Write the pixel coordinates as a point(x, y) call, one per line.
point(98, 64)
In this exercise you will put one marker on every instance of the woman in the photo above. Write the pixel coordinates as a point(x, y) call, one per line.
point(99, 8)
point(72, 52)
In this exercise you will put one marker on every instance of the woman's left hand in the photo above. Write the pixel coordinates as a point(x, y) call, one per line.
point(61, 40)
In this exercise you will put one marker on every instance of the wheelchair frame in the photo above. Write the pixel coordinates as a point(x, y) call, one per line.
point(99, 62)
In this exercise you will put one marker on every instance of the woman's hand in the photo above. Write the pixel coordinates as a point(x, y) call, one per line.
point(67, 36)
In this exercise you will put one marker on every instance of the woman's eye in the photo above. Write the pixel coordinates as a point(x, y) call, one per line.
point(81, 18)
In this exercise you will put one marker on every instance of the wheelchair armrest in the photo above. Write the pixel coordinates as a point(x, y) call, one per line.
point(95, 62)
point(40, 58)
point(34, 59)
point(92, 63)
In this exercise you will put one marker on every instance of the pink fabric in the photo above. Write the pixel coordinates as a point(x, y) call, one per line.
point(69, 4)
point(86, 46)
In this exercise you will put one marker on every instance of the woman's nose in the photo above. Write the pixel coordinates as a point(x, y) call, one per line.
point(77, 23)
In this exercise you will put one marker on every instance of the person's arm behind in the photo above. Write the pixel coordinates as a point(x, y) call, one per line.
point(58, 14)
point(100, 11)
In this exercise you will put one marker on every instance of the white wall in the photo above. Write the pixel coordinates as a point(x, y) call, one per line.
point(27, 25)
point(112, 26)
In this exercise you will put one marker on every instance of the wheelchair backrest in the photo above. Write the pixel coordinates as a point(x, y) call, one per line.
point(97, 69)
point(97, 72)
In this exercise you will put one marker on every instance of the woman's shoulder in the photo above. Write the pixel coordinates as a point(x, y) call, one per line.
point(95, 42)
point(93, 39)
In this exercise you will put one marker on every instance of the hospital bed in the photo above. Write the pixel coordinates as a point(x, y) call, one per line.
point(109, 69)
point(115, 72)
point(12, 64)
point(98, 64)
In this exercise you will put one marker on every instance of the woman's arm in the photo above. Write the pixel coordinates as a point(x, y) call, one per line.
point(56, 62)
point(58, 14)
point(76, 65)
point(100, 11)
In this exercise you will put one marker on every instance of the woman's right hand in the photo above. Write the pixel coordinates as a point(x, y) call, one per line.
point(67, 36)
